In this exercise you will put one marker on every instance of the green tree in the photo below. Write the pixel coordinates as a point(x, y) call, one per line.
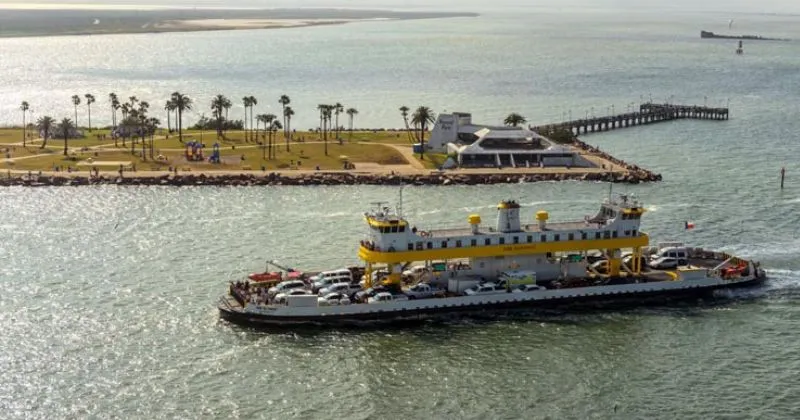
point(351, 112)
point(169, 106)
point(64, 129)
point(45, 125)
point(247, 103)
point(513, 120)
point(253, 102)
point(421, 118)
point(284, 101)
point(76, 100)
point(269, 120)
point(404, 113)
point(24, 107)
point(273, 128)
point(288, 112)
point(89, 101)
point(182, 103)
point(114, 101)
point(338, 108)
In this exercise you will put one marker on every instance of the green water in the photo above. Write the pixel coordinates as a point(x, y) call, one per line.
point(108, 302)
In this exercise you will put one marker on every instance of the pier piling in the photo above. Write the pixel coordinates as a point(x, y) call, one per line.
point(783, 175)
point(648, 113)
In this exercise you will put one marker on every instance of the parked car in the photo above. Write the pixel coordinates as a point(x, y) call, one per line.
point(333, 299)
point(522, 288)
point(600, 266)
point(384, 297)
point(414, 272)
point(423, 291)
point(281, 297)
point(628, 261)
point(484, 289)
point(343, 287)
point(285, 286)
point(664, 263)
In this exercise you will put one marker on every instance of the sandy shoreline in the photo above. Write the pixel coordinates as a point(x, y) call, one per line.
point(30, 23)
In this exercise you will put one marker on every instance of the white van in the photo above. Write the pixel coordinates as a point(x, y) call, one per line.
point(328, 278)
point(679, 253)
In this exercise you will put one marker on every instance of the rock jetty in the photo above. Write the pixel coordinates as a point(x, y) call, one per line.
point(328, 178)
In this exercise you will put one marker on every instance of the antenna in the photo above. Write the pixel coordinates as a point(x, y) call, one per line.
point(610, 189)
point(400, 204)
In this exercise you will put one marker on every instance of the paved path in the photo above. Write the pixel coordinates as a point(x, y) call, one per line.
point(408, 154)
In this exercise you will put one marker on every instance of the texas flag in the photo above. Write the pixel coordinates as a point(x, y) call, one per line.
point(688, 225)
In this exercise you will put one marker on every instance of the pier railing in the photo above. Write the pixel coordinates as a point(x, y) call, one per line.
point(649, 113)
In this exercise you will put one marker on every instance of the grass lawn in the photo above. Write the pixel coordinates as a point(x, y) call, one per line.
point(309, 156)
point(433, 160)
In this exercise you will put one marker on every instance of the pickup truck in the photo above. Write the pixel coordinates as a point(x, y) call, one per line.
point(384, 297)
point(423, 291)
point(344, 287)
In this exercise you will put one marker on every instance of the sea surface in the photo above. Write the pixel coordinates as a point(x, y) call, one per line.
point(108, 302)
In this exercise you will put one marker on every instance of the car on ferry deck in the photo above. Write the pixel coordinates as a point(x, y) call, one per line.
point(280, 298)
point(664, 263)
point(383, 297)
point(332, 299)
point(344, 288)
point(485, 289)
point(522, 288)
point(285, 286)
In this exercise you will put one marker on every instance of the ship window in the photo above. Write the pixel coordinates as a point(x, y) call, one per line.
point(530, 238)
point(556, 237)
point(606, 234)
point(614, 234)
point(597, 235)
point(544, 238)
point(419, 245)
point(444, 244)
point(627, 233)
point(583, 235)
point(571, 236)
point(473, 242)
point(624, 216)
point(633, 232)
point(410, 247)
point(516, 239)
point(430, 245)
point(394, 229)
point(488, 241)
point(458, 244)
point(401, 229)
point(501, 241)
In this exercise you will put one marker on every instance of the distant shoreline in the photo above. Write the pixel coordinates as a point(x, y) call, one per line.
point(68, 22)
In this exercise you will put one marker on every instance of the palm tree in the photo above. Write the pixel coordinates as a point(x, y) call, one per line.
point(182, 103)
point(513, 120)
point(169, 106)
point(273, 128)
point(218, 104)
point(422, 116)
point(126, 110)
point(112, 98)
point(46, 125)
point(247, 104)
point(351, 112)
point(321, 109)
point(253, 102)
point(24, 107)
point(338, 108)
point(287, 114)
point(65, 129)
point(89, 101)
point(268, 120)
point(404, 113)
point(152, 125)
point(76, 100)
point(284, 101)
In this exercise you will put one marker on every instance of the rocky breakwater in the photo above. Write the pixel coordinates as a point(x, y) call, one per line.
point(326, 178)
point(634, 172)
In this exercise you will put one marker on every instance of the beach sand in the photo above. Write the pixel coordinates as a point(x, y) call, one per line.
point(229, 24)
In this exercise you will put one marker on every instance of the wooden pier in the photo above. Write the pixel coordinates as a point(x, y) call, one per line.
point(649, 113)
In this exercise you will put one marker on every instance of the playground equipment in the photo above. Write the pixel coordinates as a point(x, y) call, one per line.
point(214, 158)
point(194, 151)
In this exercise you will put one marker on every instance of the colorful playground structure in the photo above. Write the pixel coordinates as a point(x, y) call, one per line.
point(194, 152)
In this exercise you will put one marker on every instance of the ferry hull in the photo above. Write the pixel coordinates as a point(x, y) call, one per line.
point(487, 310)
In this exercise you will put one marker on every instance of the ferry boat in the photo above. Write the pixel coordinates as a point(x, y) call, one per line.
point(603, 260)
